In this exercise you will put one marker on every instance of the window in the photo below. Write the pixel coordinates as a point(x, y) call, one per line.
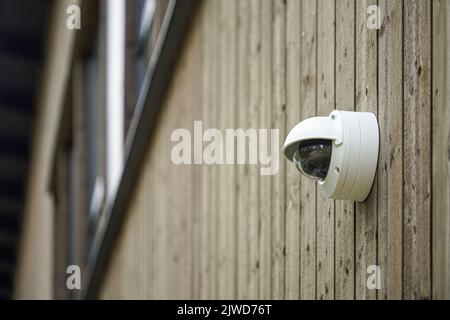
point(143, 22)
point(90, 68)
point(95, 133)
point(80, 172)
point(115, 93)
point(110, 62)
point(145, 11)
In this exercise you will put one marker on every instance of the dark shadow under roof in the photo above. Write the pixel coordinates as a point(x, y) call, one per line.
point(22, 31)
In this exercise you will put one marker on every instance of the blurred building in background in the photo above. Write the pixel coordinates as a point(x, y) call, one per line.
point(86, 176)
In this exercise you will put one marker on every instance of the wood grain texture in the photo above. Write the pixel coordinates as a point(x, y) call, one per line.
point(279, 121)
point(390, 164)
point(293, 36)
point(366, 100)
point(325, 105)
point(417, 150)
point(345, 100)
point(253, 123)
point(440, 151)
point(213, 195)
point(242, 183)
point(205, 170)
point(222, 108)
point(233, 233)
point(265, 188)
point(231, 116)
point(308, 187)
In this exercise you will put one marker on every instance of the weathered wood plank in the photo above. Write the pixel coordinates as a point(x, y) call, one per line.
point(227, 207)
point(206, 170)
point(325, 104)
point(440, 151)
point(221, 185)
point(161, 204)
point(144, 257)
point(292, 175)
point(190, 95)
point(308, 189)
point(265, 181)
point(231, 107)
point(242, 183)
point(149, 221)
point(215, 184)
point(279, 121)
point(193, 97)
point(416, 150)
point(173, 223)
point(390, 165)
point(366, 100)
point(253, 123)
point(345, 100)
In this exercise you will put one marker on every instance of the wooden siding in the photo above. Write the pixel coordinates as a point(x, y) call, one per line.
point(440, 146)
point(225, 231)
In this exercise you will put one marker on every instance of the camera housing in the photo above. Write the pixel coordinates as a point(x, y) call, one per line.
point(340, 151)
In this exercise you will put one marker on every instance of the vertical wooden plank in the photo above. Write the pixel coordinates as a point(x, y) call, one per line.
point(155, 234)
point(390, 166)
point(242, 182)
point(194, 180)
point(214, 178)
point(156, 205)
point(265, 181)
point(279, 121)
point(187, 81)
point(366, 100)
point(417, 150)
point(345, 100)
point(196, 222)
point(325, 104)
point(293, 18)
point(229, 14)
point(205, 170)
point(253, 123)
point(141, 276)
point(231, 108)
point(308, 100)
point(176, 179)
point(145, 226)
point(221, 185)
point(171, 226)
point(165, 217)
point(162, 176)
point(440, 151)
point(149, 222)
point(226, 186)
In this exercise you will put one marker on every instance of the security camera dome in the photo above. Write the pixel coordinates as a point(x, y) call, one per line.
point(313, 158)
point(339, 151)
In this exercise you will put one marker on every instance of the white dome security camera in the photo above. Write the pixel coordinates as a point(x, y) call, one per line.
point(340, 151)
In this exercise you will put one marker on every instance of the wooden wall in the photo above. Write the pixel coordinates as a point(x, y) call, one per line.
point(225, 231)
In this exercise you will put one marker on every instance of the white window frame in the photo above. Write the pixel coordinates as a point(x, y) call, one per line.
point(115, 95)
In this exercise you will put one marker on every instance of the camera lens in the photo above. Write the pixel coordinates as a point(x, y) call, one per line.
point(313, 158)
